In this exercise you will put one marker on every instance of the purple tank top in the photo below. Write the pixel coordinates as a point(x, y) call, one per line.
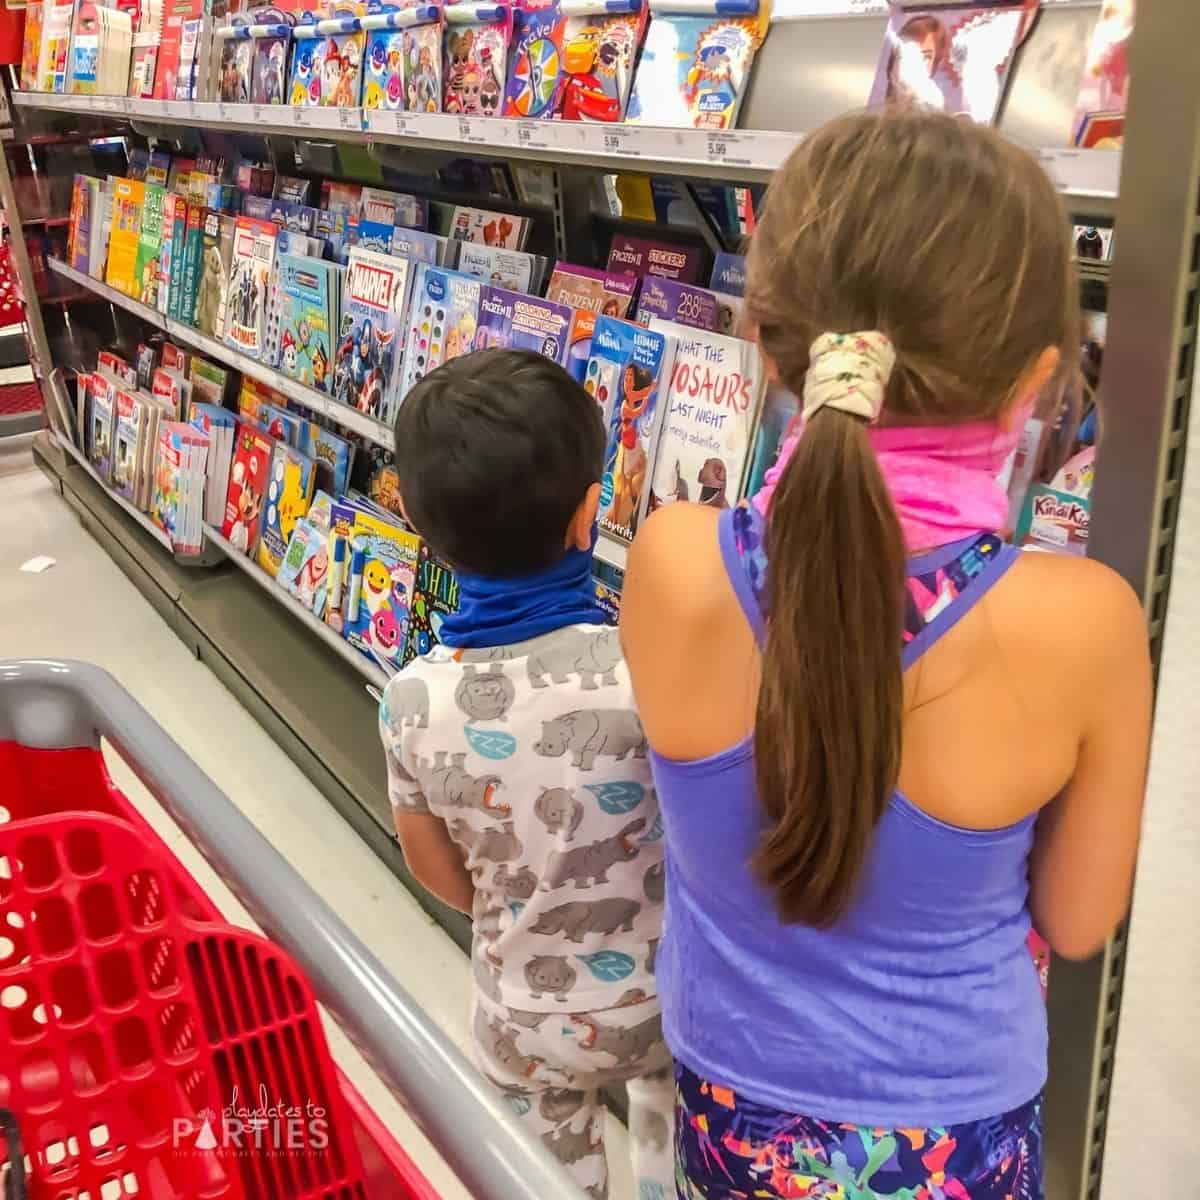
point(921, 1006)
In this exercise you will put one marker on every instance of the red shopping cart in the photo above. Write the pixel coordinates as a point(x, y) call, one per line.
point(149, 1049)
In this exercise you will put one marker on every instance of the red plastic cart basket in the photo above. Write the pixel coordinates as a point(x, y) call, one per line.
point(149, 1049)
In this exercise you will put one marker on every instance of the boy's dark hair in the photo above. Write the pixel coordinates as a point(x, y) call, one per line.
point(494, 452)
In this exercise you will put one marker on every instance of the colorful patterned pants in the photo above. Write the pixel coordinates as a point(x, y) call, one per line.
point(729, 1148)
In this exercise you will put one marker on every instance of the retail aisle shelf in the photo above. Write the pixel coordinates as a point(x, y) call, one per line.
point(136, 513)
point(373, 674)
point(747, 155)
point(611, 551)
point(310, 398)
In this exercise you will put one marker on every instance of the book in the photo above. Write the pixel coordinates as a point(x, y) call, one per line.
point(174, 391)
point(173, 252)
point(671, 301)
point(419, 246)
point(381, 571)
point(537, 55)
point(193, 261)
point(220, 427)
point(290, 485)
point(443, 318)
point(332, 455)
point(309, 297)
point(512, 320)
point(247, 486)
point(177, 502)
point(175, 14)
point(1054, 520)
point(394, 208)
point(512, 269)
point(150, 244)
point(474, 60)
point(434, 597)
point(305, 566)
point(627, 375)
point(283, 426)
point(728, 274)
point(212, 292)
point(366, 362)
point(948, 59)
point(253, 258)
point(645, 256)
point(237, 68)
point(598, 57)
point(123, 241)
point(101, 423)
point(145, 364)
point(189, 46)
point(383, 66)
point(711, 403)
point(505, 230)
point(590, 293)
point(694, 70)
point(83, 194)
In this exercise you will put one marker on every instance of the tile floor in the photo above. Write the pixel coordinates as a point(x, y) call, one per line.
point(85, 608)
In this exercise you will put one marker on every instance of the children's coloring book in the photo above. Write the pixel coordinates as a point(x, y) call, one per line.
point(383, 63)
point(237, 62)
point(268, 67)
point(443, 318)
point(591, 293)
point(512, 269)
point(434, 597)
point(712, 401)
point(599, 53)
point(422, 83)
point(951, 59)
point(247, 486)
point(418, 246)
point(305, 567)
point(332, 454)
point(367, 358)
point(694, 69)
point(728, 274)
point(123, 241)
point(511, 320)
point(308, 296)
point(217, 256)
point(289, 488)
point(537, 55)
point(626, 374)
point(150, 244)
point(475, 56)
point(249, 282)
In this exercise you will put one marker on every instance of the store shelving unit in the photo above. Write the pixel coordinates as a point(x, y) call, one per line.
point(314, 698)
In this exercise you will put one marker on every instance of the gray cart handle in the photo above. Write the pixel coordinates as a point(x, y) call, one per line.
point(48, 704)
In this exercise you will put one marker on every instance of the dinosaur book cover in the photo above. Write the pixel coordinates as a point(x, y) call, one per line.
point(626, 375)
point(710, 405)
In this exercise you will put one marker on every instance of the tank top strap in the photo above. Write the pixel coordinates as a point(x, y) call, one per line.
point(943, 585)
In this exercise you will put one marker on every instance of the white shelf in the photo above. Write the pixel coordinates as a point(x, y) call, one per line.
point(748, 155)
point(310, 398)
point(159, 535)
point(611, 551)
point(372, 674)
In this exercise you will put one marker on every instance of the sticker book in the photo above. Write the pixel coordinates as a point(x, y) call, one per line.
point(711, 401)
point(249, 279)
point(537, 56)
point(247, 487)
point(598, 57)
point(422, 79)
point(645, 256)
point(694, 69)
point(366, 361)
point(443, 318)
point(627, 375)
point(474, 58)
point(511, 320)
point(290, 484)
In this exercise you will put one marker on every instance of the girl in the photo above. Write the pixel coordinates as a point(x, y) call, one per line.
point(903, 739)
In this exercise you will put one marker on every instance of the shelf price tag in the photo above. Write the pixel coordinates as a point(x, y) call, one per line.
point(718, 147)
point(349, 118)
point(256, 113)
point(464, 129)
point(222, 111)
point(532, 136)
point(617, 141)
point(299, 115)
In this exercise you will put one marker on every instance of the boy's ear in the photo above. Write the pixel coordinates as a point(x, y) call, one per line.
point(579, 531)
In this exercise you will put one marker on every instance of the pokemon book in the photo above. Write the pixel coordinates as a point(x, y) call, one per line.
point(150, 244)
point(475, 55)
point(694, 306)
point(247, 486)
point(290, 486)
point(332, 454)
point(712, 402)
point(505, 230)
point(627, 375)
point(443, 318)
point(212, 294)
point(309, 295)
point(694, 69)
point(366, 361)
point(598, 55)
point(512, 269)
point(434, 597)
point(422, 69)
point(537, 55)
point(511, 320)
point(123, 241)
point(253, 259)
point(375, 606)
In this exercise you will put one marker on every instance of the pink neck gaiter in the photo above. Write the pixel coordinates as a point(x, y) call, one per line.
point(943, 479)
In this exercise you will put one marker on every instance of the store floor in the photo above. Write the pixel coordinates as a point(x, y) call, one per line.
point(84, 608)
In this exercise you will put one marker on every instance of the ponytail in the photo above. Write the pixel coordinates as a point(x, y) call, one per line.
point(830, 705)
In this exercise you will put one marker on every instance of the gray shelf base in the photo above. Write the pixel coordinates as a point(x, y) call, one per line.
point(314, 705)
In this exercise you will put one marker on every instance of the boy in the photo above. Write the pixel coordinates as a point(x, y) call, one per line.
point(517, 766)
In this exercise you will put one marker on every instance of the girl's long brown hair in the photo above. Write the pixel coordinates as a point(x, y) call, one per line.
point(953, 242)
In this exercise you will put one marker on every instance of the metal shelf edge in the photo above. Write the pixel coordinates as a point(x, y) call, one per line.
point(374, 675)
point(349, 418)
